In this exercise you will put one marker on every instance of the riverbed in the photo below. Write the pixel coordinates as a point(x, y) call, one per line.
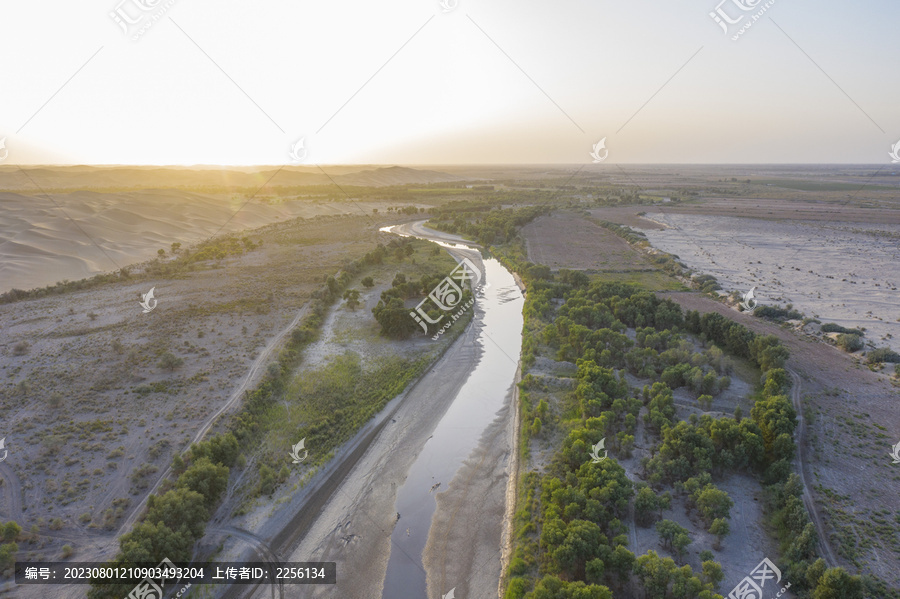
point(455, 424)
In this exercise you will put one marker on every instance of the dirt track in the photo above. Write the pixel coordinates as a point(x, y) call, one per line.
point(800, 466)
point(13, 491)
point(252, 377)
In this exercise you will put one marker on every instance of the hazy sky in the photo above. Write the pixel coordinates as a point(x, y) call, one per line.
point(495, 81)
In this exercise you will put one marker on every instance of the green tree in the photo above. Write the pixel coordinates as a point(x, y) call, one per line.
point(594, 571)
point(8, 556)
point(551, 587)
point(580, 542)
point(836, 583)
point(646, 505)
point(205, 478)
point(803, 547)
point(368, 282)
point(179, 509)
point(712, 572)
point(815, 572)
point(154, 541)
point(713, 503)
point(720, 528)
point(670, 531)
point(178, 464)
point(621, 562)
point(680, 542)
point(266, 480)
point(394, 318)
point(221, 449)
point(11, 531)
point(352, 297)
point(705, 402)
point(768, 352)
point(656, 573)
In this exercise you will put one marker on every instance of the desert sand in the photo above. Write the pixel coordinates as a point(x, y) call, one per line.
point(83, 233)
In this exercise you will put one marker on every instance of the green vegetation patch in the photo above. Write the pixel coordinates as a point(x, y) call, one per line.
point(571, 538)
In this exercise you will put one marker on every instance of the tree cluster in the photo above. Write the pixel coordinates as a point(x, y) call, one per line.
point(486, 224)
point(175, 520)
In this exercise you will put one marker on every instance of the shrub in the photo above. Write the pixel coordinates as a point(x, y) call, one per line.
point(830, 327)
point(168, 361)
point(849, 343)
point(266, 480)
point(10, 531)
point(776, 313)
point(8, 556)
point(882, 354)
point(352, 297)
point(20, 348)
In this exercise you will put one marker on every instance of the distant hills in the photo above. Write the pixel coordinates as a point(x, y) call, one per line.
point(152, 177)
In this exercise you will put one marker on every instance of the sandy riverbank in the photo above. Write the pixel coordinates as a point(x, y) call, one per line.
point(354, 527)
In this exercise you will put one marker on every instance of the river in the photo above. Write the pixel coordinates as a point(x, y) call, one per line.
point(498, 321)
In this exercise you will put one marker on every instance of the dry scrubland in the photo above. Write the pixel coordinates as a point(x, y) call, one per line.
point(850, 413)
point(91, 416)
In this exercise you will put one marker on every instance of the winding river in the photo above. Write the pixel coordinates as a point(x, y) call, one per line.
point(498, 324)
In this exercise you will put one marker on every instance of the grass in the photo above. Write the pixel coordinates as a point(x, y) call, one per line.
point(340, 396)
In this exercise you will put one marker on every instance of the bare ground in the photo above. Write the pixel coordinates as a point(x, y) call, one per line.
point(566, 240)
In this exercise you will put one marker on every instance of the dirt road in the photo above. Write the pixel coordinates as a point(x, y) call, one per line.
point(252, 376)
point(824, 544)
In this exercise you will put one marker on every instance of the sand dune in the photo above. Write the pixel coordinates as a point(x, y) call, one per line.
point(128, 177)
point(44, 241)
